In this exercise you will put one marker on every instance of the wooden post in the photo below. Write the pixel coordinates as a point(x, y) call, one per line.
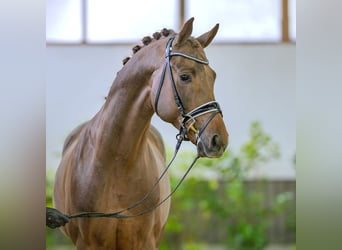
point(285, 37)
point(181, 13)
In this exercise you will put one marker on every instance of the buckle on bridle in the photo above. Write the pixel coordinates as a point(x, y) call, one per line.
point(192, 122)
point(189, 120)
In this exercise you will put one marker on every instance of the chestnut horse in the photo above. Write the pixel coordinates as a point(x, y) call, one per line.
point(116, 158)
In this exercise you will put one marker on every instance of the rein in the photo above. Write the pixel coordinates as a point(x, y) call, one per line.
point(119, 214)
point(205, 108)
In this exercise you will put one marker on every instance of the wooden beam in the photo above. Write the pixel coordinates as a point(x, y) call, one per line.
point(181, 17)
point(285, 34)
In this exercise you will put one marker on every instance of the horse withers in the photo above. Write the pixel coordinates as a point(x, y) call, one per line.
point(116, 158)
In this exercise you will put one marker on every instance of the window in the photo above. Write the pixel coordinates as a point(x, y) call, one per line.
point(109, 21)
point(129, 20)
point(63, 21)
point(242, 20)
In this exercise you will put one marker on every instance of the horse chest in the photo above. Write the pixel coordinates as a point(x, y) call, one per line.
point(115, 190)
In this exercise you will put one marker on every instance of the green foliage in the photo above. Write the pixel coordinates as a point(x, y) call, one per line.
point(49, 188)
point(225, 199)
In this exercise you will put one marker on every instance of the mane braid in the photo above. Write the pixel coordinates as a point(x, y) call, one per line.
point(147, 40)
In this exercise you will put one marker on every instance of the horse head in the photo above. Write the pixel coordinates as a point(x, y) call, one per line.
point(183, 91)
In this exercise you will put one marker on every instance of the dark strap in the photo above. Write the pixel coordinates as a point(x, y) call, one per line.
point(189, 57)
point(201, 110)
point(206, 124)
point(161, 82)
point(167, 65)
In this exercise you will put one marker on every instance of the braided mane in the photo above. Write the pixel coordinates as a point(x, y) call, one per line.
point(147, 40)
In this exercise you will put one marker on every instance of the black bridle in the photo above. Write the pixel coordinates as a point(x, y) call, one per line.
point(209, 107)
point(205, 108)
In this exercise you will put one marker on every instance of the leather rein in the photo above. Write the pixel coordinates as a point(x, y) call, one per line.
point(209, 107)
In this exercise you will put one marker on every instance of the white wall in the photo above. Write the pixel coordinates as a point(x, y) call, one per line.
point(254, 82)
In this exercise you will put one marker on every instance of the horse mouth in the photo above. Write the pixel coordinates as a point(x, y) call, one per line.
point(214, 149)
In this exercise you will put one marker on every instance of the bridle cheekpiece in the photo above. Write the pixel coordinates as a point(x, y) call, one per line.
point(188, 119)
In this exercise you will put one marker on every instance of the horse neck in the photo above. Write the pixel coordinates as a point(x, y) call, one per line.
point(123, 121)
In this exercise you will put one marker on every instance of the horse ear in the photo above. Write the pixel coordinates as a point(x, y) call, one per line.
point(185, 32)
point(207, 37)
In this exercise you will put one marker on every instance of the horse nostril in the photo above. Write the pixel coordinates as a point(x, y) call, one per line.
point(215, 142)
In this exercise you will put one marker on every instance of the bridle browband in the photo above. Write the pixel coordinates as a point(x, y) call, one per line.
point(209, 107)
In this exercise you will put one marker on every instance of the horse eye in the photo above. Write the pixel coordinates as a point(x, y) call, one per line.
point(185, 78)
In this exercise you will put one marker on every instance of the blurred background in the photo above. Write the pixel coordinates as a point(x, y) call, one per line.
point(244, 200)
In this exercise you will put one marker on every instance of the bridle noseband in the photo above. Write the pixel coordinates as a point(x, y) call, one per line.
point(209, 107)
point(205, 108)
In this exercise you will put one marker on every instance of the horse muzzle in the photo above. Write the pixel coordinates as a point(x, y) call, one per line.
point(212, 146)
point(212, 137)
